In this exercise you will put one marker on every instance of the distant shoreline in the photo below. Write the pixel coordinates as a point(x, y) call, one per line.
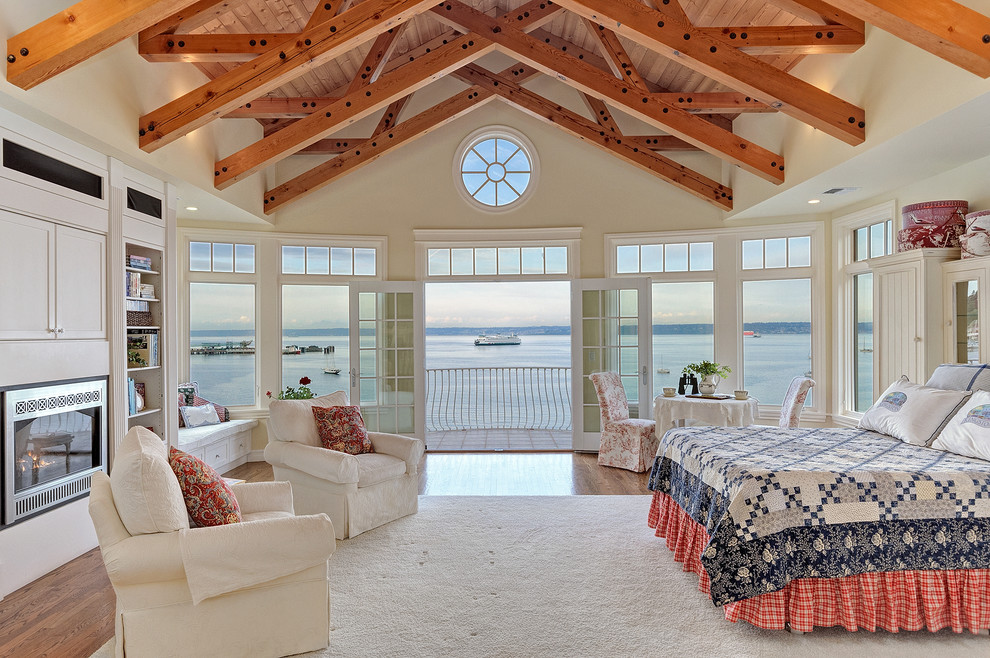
point(764, 328)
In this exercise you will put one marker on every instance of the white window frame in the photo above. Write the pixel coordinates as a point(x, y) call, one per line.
point(844, 312)
point(427, 239)
point(496, 132)
point(728, 278)
point(268, 281)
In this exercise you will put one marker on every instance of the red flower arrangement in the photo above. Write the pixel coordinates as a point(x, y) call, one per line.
point(301, 393)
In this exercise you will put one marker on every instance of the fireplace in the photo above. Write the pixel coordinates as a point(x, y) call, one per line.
point(54, 439)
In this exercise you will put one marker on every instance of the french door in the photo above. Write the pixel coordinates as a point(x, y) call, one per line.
point(386, 339)
point(611, 330)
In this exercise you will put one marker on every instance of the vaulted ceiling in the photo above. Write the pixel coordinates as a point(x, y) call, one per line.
point(308, 70)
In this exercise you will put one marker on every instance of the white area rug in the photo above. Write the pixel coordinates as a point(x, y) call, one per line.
point(556, 576)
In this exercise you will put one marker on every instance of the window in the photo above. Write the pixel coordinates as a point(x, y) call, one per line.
point(776, 336)
point(862, 235)
point(222, 341)
point(472, 261)
point(683, 328)
point(315, 337)
point(495, 168)
point(675, 257)
point(334, 261)
point(221, 257)
point(774, 253)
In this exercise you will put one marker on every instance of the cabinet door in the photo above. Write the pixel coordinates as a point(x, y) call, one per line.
point(80, 283)
point(899, 336)
point(27, 277)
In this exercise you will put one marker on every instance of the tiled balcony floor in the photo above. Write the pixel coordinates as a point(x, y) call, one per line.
point(481, 440)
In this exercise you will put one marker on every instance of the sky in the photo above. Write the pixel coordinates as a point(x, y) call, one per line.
point(491, 305)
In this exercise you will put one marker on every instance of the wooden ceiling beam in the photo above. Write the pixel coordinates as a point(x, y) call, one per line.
point(602, 114)
point(790, 39)
point(209, 47)
point(390, 116)
point(819, 12)
point(274, 107)
point(602, 84)
point(73, 35)
point(273, 69)
point(944, 28)
point(672, 7)
point(325, 10)
point(350, 108)
point(719, 60)
point(171, 22)
point(367, 151)
point(615, 54)
point(535, 105)
point(376, 58)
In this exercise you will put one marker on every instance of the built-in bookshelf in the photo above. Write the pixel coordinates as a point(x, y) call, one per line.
point(144, 312)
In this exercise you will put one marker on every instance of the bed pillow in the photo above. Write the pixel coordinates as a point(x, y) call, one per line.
point(911, 412)
point(961, 377)
point(968, 432)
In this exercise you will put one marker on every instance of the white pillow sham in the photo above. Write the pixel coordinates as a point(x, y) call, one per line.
point(205, 414)
point(911, 412)
point(968, 432)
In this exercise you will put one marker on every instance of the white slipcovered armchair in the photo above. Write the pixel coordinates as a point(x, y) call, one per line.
point(358, 492)
point(258, 588)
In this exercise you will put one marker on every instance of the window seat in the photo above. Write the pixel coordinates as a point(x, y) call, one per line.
point(222, 446)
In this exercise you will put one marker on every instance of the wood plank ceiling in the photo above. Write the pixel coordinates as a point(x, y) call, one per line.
point(309, 69)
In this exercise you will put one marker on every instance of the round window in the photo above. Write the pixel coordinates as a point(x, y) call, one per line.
point(495, 168)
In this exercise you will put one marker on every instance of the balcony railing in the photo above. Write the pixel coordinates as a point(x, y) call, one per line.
point(498, 398)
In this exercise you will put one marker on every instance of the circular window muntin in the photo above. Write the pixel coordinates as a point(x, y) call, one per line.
point(495, 171)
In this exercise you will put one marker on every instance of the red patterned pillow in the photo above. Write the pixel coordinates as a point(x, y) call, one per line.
point(222, 413)
point(342, 429)
point(208, 498)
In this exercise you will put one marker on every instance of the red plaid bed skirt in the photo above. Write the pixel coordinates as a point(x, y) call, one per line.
point(891, 600)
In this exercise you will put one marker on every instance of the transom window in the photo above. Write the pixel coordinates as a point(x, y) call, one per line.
point(873, 241)
point(221, 257)
point(471, 261)
point(775, 253)
point(495, 168)
point(673, 257)
point(335, 261)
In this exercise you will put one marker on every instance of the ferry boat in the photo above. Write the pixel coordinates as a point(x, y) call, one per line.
point(752, 334)
point(497, 339)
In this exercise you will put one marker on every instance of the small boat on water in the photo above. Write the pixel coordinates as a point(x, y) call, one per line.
point(331, 361)
point(661, 370)
point(752, 334)
point(497, 339)
point(291, 349)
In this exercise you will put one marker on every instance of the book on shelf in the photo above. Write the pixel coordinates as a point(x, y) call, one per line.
point(147, 290)
point(135, 305)
point(131, 398)
point(139, 262)
point(132, 284)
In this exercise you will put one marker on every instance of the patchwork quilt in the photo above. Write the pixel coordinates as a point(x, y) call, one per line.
point(781, 504)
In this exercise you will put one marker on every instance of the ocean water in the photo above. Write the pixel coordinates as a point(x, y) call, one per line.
point(771, 362)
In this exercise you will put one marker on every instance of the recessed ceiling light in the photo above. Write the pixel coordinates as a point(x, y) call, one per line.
point(814, 200)
point(193, 208)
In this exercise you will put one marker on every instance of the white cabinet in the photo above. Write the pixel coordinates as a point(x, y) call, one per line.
point(965, 288)
point(907, 294)
point(54, 280)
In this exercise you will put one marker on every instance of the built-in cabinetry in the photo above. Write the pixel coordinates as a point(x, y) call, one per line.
point(907, 297)
point(54, 280)
point(965, 287)
point(142, 230)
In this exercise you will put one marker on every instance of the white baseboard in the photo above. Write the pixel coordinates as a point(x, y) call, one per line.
point(256, 456)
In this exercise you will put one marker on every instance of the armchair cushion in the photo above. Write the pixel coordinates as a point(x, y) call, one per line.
point(292, 420)
point(208, 498)
point(374, 468)
point(145, 490)
point(325, 464)
point(342, 429)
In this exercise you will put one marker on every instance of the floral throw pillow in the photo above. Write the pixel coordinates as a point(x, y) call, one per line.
point(342, 429)
point(208, 498)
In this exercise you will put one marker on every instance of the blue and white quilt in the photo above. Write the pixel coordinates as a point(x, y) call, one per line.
point(781, 504)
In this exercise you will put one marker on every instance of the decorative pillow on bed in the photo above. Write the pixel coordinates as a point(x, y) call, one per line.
point(968, 432)
point(911, 412)
point(342, 429)
point(961, 377)
point(209, 500)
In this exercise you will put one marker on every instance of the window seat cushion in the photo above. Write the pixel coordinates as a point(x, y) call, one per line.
point(191, 438)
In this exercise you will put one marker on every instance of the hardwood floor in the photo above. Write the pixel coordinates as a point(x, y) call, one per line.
point(69, 612)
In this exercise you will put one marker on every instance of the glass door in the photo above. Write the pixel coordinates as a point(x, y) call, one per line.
point(386, 347)
point(611, 331)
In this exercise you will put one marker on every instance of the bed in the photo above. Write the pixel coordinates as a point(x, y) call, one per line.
point(821, 527)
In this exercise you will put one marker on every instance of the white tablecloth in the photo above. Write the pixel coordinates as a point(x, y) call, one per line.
point(726, 413)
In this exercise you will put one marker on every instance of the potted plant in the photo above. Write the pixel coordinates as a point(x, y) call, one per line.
point(711, 374)
point(304, 392)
